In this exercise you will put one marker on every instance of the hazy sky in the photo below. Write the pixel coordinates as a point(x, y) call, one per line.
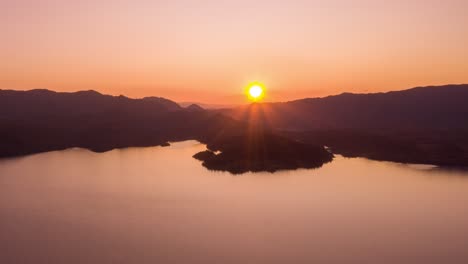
point(209, 50)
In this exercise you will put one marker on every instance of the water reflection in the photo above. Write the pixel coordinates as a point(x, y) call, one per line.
point(159, 205)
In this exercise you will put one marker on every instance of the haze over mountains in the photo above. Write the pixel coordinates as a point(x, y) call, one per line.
point(420, 125)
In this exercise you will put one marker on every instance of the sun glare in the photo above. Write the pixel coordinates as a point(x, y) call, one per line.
point(256, 92)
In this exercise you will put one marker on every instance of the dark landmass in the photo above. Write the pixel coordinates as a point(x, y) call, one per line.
point(422, 125)
point(41, 120)
point(427, 125)
point(422, 108)
point(440, 148)
point(261, 152)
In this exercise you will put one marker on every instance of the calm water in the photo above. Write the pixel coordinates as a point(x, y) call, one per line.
point(159, 205)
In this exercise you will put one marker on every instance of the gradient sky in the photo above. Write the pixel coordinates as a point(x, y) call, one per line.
point(207, 51)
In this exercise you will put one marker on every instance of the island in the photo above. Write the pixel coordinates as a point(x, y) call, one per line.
point(261, 151)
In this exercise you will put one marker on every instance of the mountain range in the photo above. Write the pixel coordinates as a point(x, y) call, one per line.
point(419, 125)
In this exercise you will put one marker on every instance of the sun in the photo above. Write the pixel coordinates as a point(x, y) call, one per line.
point(255, 92)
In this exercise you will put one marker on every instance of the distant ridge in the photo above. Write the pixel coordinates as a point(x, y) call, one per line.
point(431, 107)
point(417, 88)
point(194, 107)
point(208, 106)
point(46, 103)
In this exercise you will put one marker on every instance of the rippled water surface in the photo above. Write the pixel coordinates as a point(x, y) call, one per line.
point(159, 205)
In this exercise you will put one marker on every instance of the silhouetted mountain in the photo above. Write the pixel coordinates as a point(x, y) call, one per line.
point(194, 107)
point(167, 104)
point(41, 120)
point(435, 107)
point(43, 103)
point(419, 125)
point(208, 106)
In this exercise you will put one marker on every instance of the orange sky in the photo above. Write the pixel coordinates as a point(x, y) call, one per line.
point(207, 51)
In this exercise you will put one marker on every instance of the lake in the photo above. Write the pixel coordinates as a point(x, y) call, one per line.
point(159, 205)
